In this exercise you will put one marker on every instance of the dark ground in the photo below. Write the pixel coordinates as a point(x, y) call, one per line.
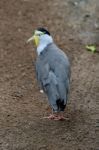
point(21, 104)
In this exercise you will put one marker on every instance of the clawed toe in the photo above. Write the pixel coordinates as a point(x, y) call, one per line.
point(50, 117)
point(60, 118)
point(56, 117)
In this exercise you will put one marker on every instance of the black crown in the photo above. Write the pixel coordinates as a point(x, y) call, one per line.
point(43, 30)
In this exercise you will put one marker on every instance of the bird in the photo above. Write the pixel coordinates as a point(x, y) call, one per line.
point(53, 71)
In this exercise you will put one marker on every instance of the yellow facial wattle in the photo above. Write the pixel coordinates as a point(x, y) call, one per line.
point(36, 40)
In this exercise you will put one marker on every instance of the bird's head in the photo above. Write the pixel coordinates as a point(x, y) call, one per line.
point(41, 36)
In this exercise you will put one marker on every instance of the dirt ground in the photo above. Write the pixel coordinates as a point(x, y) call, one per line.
point(22, 106)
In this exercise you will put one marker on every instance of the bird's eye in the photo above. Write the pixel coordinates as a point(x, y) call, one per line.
point(39, 34)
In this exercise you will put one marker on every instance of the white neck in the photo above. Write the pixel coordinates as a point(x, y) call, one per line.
point(44, 41)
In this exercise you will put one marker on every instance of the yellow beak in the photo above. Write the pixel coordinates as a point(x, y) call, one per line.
point(35, 38)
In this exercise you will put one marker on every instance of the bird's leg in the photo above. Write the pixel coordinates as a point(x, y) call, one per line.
point(60, 116)
point(51, 116)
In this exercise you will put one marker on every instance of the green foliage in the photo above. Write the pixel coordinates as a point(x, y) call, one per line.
point(91, 48)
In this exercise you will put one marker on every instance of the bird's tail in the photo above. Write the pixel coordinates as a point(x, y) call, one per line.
point(60, 104)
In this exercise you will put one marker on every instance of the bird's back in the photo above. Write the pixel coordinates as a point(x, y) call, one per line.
point(53, 68)
point(57, 60)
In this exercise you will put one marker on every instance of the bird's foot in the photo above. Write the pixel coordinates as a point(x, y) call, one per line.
point(60, 118)
point(51, 117)
point(56, 117)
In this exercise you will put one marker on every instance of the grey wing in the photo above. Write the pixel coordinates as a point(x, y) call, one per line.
point(63, 79)
point(48, 82)
point(62, 72)
point(45, 76)
point(54, 86)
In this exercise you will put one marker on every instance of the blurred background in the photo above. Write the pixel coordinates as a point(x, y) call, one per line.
point(74, 24)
